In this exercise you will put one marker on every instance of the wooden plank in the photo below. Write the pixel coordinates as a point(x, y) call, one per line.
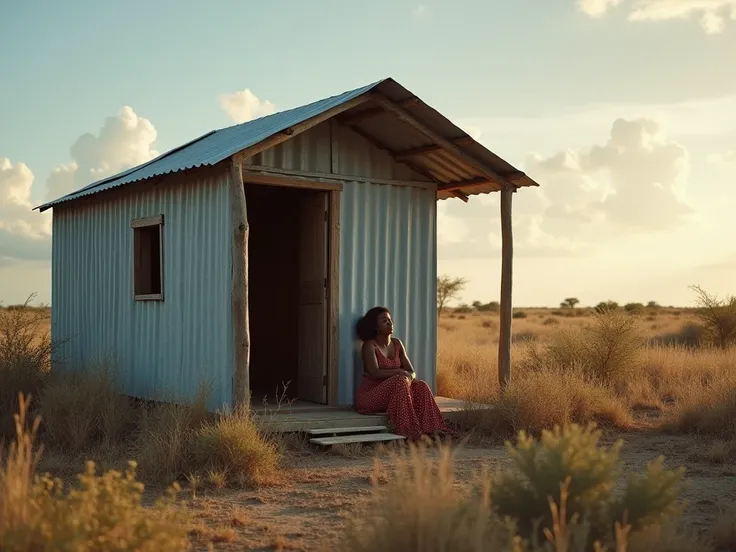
point(348, 439)
point(295, 130)
point(147, 221)
point(507, 255)
point(325, 179)
point(352, 429)
point(239, 289)
point(439, 140)
point(333, 300)
point(287, 181)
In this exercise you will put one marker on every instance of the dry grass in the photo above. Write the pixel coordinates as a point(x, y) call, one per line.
point(586, 367)
point(102, 512)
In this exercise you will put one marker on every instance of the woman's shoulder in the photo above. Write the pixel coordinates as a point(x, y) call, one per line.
point(368, 345)
point(396, 341)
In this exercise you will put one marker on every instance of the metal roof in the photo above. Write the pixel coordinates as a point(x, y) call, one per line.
point(385, 129)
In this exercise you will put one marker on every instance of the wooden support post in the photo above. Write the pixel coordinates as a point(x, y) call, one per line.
point(507, 256)
point(239, 290)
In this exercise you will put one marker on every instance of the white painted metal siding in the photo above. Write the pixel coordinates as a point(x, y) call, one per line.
point(160, 350)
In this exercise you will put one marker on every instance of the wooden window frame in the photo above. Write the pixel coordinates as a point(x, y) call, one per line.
point(147, 222)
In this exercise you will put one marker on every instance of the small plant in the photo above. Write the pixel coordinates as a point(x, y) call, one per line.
point(572, 455)
point(519, 314)
point(606, 306)
point(233, 445)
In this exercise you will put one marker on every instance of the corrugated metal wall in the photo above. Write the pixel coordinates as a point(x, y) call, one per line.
point(387, 245)
point(164, 349)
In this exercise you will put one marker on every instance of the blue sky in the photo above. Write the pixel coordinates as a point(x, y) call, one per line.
point(539, 82)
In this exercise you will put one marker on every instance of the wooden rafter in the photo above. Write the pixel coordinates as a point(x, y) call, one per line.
point(407, 117)
point(422, 150)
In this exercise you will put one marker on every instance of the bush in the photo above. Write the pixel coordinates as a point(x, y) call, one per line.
point(83, 409)
point(417, 505)
point(234, 446)
point(633, 307)
point(519, 314)
point(606, 306)
point(607, 350)
point(718, 317)
point(690, 335)
point(572, 456)
point(104, 513)
point(25, 356)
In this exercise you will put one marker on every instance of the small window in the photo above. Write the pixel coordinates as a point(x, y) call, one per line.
point(148, 266)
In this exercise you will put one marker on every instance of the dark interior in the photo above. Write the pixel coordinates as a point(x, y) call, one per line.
point(273, 272)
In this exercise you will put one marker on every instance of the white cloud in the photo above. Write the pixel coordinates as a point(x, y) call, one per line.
point(596, 8)
point(631, 185)
point(712, 13)
point(24, 234)
point(124, 140)
point(243, 106)
point(727, 157)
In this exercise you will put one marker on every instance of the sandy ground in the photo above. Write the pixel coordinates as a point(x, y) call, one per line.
point(323, 490)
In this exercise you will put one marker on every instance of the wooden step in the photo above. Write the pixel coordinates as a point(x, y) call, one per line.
point(343, 430)
point(362, 438)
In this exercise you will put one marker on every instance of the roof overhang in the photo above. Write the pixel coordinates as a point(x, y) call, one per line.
point(384, 113)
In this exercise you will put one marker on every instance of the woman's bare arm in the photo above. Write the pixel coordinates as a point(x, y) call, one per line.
point(370, 364)
point(405, 362)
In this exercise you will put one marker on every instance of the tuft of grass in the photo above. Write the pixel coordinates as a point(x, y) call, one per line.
point(233, 445)
point(164, 443)
point(104, 512)
point(84, 409)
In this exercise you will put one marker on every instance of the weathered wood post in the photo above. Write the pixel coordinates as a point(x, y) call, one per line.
point(239, 291)
point(507, 256)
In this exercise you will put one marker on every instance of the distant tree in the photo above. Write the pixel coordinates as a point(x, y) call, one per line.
point(718, 316)
point(652, 305)
point(570, 302)
point(633, 307)
point(448, 288)
point(477, 305)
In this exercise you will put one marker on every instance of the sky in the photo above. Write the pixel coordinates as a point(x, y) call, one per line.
point(623, 110)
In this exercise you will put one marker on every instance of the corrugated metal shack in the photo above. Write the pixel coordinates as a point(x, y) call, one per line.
point(244, 258)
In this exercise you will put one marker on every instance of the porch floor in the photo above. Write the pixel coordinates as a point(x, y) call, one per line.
point(303, 415)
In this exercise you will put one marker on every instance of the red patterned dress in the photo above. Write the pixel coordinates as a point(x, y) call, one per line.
point(410, 405)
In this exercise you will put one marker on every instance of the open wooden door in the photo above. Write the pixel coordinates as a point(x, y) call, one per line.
point(313, 256)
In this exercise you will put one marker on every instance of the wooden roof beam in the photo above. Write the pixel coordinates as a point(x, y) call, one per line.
point(422, 150)
point(463, 184)
point(408, 118)
point(350, 118)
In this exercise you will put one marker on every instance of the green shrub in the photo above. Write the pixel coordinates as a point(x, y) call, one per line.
point(572, 455)
point(606, 306)
point(519, 314)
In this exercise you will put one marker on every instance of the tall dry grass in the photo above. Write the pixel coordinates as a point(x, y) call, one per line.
point(102, 512)
point(594, 367)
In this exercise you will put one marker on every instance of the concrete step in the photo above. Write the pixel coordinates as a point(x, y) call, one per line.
point(326, 431)
point(362, 438)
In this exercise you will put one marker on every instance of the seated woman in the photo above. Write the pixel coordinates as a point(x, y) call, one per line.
point(389, 381)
